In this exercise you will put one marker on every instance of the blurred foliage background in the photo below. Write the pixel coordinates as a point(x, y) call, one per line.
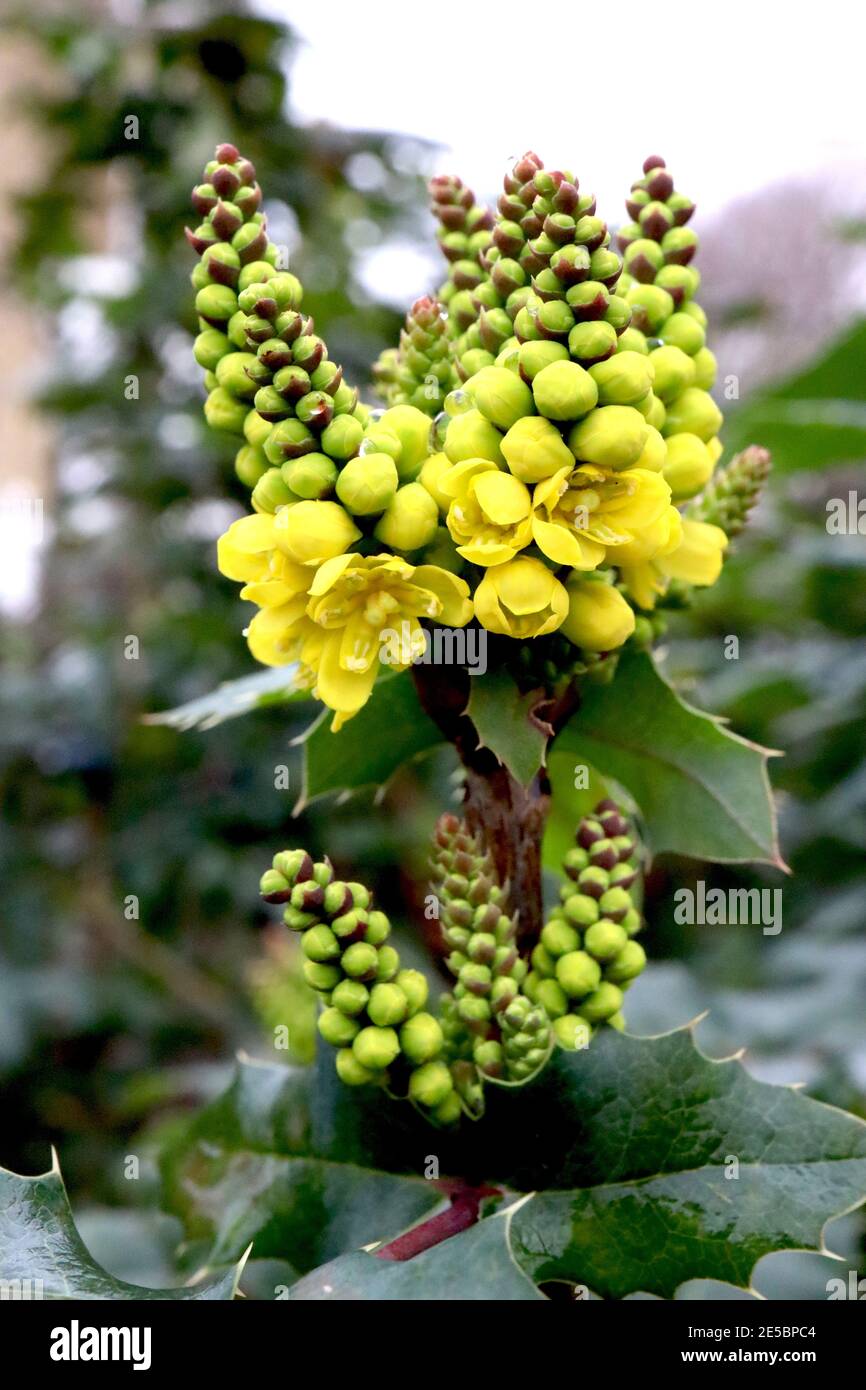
point(134, 957)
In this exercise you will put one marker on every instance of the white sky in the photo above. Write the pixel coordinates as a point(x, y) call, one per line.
point(733, 95)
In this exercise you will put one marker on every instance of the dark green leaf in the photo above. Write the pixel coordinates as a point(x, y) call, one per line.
point(272, 686)
point(503, 720)
point(701, 790)
point(389, 730)
point(476, 1265)
point(43, 1256)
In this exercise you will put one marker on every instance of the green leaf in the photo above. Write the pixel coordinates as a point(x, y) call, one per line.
point(639, 1188)
point(389, 730)
point(502, 717)
point(476, 1265)
point(263, 1165)
point(273, 686)
point(701, 790)
point(41, 1251)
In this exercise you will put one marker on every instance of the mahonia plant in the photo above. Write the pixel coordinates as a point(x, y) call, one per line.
point(544, 470)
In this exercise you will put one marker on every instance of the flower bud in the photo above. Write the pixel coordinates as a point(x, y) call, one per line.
point(683, 331)
point(290, 439)
point(500, 396)
point(693, 412)
point(368, 484)
point(341, 439)
point(414, 985)
point(592, 341)
point(274, 887)
point(604, 1001)
point(410, 520)
point(611, 436)
point(674, 372)
point(430, 1084)
point(272, 492)
point(572, 1032)
point(320, 977)
point(581, 909)
point(623, 379)
point(563, 391)
point(650, 306)
point(434, 469)
point(337, 1028)
point(552, 998)
point(350, 997)
point(534, 448)
point(350, 1070)
point(360, 961)
point(578, 974)
point(209, 348)
point(388, 1004)
point(312, 532)
point(320, 943)
point(378, 928)
point(705, 369)
point(421, 1038)
point(627, 965)
point(679, 245)
point(412, 428)
point(654, 452)
point(604, 940)
point(310, 477)
point(598, 618)
point(216, 304)
point(688, 465)
point(533, 357)
point(471, 436)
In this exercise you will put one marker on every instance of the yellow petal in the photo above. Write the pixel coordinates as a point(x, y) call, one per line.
point(342, 690)
point(698, 557)
point(566, 547)
point(502, 498)
point(451, 591)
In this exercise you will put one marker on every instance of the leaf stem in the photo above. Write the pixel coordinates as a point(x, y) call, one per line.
point(462, 1213)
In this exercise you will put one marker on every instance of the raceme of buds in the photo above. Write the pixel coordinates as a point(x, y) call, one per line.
point(587, 956)
point(420, 372)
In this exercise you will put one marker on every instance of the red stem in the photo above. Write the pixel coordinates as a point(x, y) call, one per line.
point(463, 1213)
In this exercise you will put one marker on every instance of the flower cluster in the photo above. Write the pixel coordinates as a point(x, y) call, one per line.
point(545, 497)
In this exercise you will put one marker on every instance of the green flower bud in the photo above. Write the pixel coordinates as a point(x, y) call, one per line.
point(632, 340)
point(654, 451)
point(643, 258)
point(414, 985)
point(378, 928)
point(388, 963)
point(350, 1070)
point(611, 436)
point(272, 492)
point(430, 1084)
point(256, 430)
point(533, 357)
point(623, 379)
point(627, 965)
point(290, 439)
point(250, 465)
point(254, 273)
point(209, 348)
point(563, 391)
point(581, 909)
point(360, 961)
point(705, 369)
point(389, 1005)
point(632, 921)
point(618, 314)
point(350, 997)
point(688, 466)
point(694, 412)
point(216, 304)
point(553, 999)
point(411, 519)
point(321, 977)
point(592, 341)
point(683, 331)
point(650, 306)
point(337, 1028)
point(679, 245)
point(312, 476)
point(412, 428)
point(501, 397)
point(558, 938)
point(615, 903)
point(342, 437)
point(224, 412)
point(368, 484)
point(543, 962)
point(241, 373)
point(588, 301)
point(489, 1057)
point(674, 372)
point(604, 939)
point(602, 1003)
point(320, 944)
point(534, 448)
point(475, 978)
point(572, 1032)
point(421, 1038)
point(578, 973)
point(470, 436)
point(376, 1048)
point(274, 887)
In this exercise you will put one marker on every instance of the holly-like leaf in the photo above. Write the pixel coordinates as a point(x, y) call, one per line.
point(672, 1167)
point(272, 686)
point(43, 1256)
point(477, 1265)
point(262, 1166)
point(505, 724)
point(701, 790)
point(388, 731)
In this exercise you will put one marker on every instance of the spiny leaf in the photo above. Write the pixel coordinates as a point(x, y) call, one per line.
point(270, 687)
point(503, 719)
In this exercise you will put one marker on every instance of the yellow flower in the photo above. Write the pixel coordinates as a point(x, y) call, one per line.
point(281, 632)
point(693, 552)
point(311, 532)
point(521, 598)
point(579, 515)
point(360, 603)
point(490, 518)
point(599, 619)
